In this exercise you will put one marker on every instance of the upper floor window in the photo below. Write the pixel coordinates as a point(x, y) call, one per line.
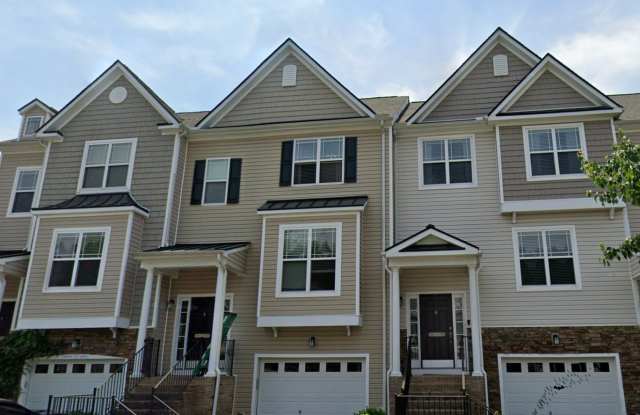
point(25, 186)
point(216, 180)
point(318, 161)
point(447, 162)
point(546, 258)
point(77, 259)
point(107, 166)
point(551, 152)
point(309, 259)
point(31, 125)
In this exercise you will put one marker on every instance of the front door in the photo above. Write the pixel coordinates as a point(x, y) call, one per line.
point(200, 325)
point(436, 330)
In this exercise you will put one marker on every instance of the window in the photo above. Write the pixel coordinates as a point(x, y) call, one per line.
point(318, 161)
point(216, 179)
point(556, 367)
point(332, 367)
point(579, 367)
point(552, 151)
point(107, 166)
point(354, 366)
point(291, 366)
point(24, 189)
point(77, 259)
point(514, 368)
point(42, 369)
point(312, 367)
point(59, 368)
point(447, 162)
point(115, 367)
point(31, 125)
point(535, 367)
point(271, 367)
point(78, 368)
point(602, 367)
point(309, 259)
point(546, 258)
point(97, 368)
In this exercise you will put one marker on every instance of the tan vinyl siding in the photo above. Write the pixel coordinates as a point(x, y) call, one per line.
point(473, 215)
point(102, 120)
point(39, 304)
point(345, 303)
point(131, 294)
point(480, 91)
point(14, 232)
point(12, 287)
point(269, 101)
point(549, 92)
point(599, 140)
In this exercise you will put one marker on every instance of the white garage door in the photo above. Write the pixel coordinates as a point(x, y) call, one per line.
point(311, 386)
point(561, 386)
point(66, 376)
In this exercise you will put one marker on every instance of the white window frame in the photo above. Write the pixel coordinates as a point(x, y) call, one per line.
point(103, 188)
point(26, 122)
point(338, 258)
point(10, 213)
point(103, 260)
point(204, 183)
point(548, 286)
point(317, 160)
point(555, 151)
point(447, 185)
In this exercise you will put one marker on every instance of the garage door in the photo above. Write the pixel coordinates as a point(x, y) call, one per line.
point(66, 376)
point(561, 386)
point(311, 386)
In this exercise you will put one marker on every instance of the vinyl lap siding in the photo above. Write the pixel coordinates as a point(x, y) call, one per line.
point(549, 92)
point(270, 102)
point(131, 294)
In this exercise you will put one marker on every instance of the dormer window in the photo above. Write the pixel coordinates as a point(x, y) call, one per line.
point(31, 125)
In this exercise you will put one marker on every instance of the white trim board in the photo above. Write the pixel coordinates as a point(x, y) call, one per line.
point(551, 205)
point(90, 211)
point(71, 323)
point(316, 320)
point(396, 251)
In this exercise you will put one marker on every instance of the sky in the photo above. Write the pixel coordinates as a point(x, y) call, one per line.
point(193, 53)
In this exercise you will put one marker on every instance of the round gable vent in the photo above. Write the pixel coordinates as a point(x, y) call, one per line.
point(118, 95)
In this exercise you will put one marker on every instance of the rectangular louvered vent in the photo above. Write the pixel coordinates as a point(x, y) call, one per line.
point(500, 65)
point(289, 75)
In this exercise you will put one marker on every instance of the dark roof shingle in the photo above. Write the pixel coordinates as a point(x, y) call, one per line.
point(95, 201)
point(319, 203)
point(216, 246)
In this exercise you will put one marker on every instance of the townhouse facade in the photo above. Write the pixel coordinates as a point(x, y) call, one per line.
point(327, 247)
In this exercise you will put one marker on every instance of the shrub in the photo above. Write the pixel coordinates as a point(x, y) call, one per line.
point(370, 411)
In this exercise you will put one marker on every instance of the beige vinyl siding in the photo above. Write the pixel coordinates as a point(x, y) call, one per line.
point(345, 303)
point(549, 92)
point(12, 287)
point(131, 293)
point(14, 232)
point(102, 120)
point(473, 215)
point(599, 141)
point(270, 102)
point(480, 91)
point(39, 304)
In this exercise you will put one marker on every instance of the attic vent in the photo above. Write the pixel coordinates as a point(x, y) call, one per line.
point(289, 75)
point(500, 65)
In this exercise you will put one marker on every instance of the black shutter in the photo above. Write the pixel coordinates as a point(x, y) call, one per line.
point(233, 193)
point(198, 182)
point(286, 163)
point(351, 159)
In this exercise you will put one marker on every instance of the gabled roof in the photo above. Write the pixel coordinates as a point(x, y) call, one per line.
point(285, 49)
point(99, 85)
point(499, 36)
point(431, 241)
point(601, 102)
point(631, 104)
point(37, 103)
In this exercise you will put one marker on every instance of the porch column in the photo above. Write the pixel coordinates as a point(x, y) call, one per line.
point(218, 319)
point(395, 322)
point(3, 285)
point(144, 319)
point(476, 344)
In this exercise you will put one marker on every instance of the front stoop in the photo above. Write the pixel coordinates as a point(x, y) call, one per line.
point(198, 397)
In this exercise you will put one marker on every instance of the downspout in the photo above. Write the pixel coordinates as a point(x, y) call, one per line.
point(384, 275)
point(168, 213)
point(387, 271)
point(392, 235)
point(484, 372)
point(218, 372)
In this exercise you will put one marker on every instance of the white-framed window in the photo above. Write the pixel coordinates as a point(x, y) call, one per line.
point(309, 260)
point(546, 258)
point(216, 181)
point(318, 160)
point(31, 125)
point(447, 162)
point(551, 151)
point(25, 187)
point(107, 166)
point(77, 259)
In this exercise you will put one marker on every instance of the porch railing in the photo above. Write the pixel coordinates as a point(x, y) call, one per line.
point(463, 355)
point(441, 405)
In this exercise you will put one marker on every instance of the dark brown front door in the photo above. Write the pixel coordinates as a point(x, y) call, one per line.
point(200, 326)
point(436, 327)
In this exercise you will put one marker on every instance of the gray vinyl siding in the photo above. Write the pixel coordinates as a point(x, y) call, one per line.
point(549, 92)
point(473, 215)
point(480, 91)
point(131, 299)
point(134, 118)
point(269, 101)
point(14, 232)
point(599, 141)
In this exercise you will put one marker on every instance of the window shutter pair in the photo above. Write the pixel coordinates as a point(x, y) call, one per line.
point(233, 188)
point(350, 161)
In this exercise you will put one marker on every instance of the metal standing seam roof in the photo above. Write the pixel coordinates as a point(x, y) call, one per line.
point(94, 201)
point(13, 253)
point(319, 203)
point(215, 246)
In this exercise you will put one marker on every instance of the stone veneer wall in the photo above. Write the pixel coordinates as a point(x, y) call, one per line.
point(198, 397)
point(624, 340)
point(95, 341)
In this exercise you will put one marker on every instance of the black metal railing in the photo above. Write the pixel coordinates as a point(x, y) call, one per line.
point(406, 381)
point(226, 356)
point(440, 405)
point(79, 404)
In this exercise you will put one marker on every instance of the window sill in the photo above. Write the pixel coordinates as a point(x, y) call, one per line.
point(447, 186)
point(558, 177)
point(19, 215)
point(93, 289)
point(307, 294)
point(318, 184)
point(549, 288)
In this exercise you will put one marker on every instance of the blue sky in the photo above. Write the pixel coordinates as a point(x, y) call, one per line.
point(192, 53)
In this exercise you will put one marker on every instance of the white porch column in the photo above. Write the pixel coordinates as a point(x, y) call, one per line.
point(475, 321)
point(395, 322)
point(3, 285)
point(144, 318)
point(218, 320)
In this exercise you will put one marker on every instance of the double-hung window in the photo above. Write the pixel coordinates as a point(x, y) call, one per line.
point(552, 151)
point(31, 125)
point(216, 181)
point(107, 166)
point(309, 260)
point(77, 259)
point(318, 160)
point(546, 258)
point(447, 162)
point(25, 186)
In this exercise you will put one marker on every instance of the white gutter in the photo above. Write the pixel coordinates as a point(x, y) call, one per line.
point(171, 191)
point(384, 275)
point(391, 201)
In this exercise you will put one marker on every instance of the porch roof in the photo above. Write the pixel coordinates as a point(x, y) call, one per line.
point(307, 205)
point(199, 255)
point(13, 253)
point(99, 202)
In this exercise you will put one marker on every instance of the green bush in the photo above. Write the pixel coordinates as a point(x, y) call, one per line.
point(370, 411)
